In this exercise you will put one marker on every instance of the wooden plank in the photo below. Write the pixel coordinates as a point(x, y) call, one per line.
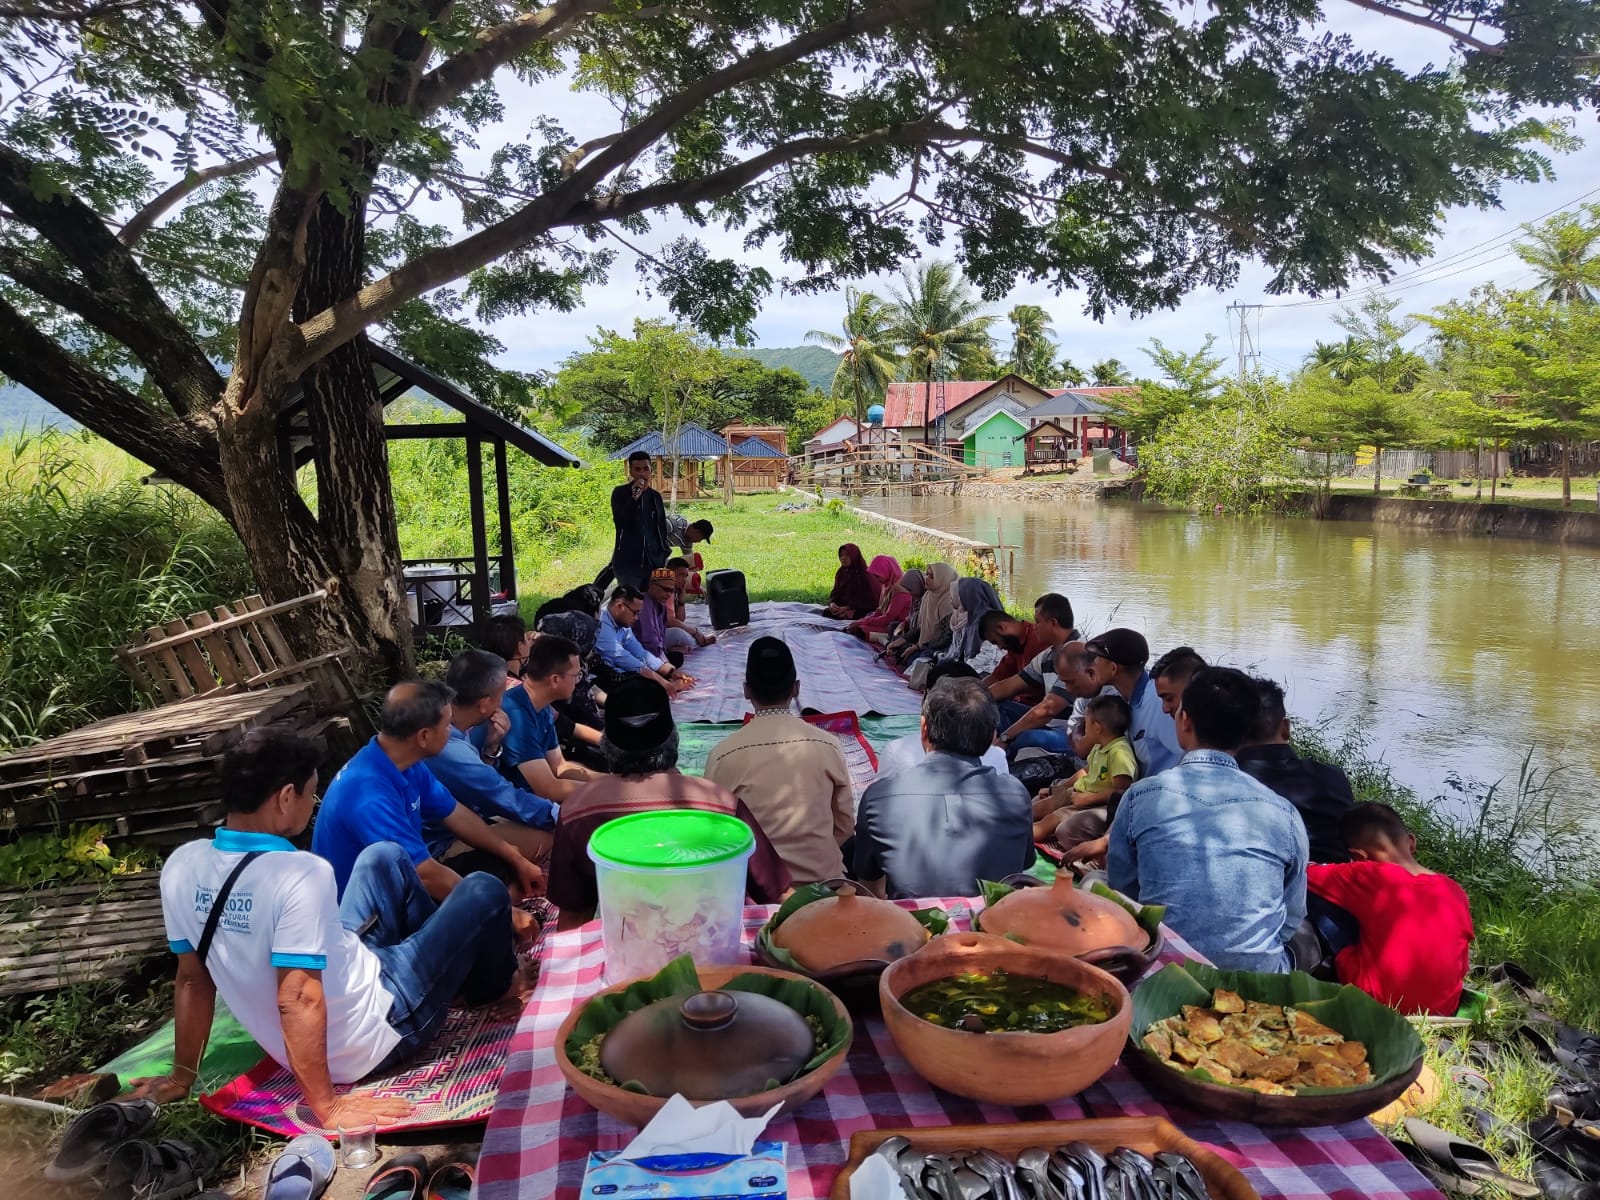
point(78, 922)
point(216, 648)
point(267, 629)
point(253, 657)
point(194, 662)
point(227, 619)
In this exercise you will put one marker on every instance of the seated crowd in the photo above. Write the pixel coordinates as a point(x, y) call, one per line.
point(1177, 777)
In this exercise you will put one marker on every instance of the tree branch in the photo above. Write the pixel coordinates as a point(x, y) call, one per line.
point(494, 47)
point(1428, 22)
point(69, 12)
point(139, 224)
point(571, 159)
point(176, 361)
point(177, 449)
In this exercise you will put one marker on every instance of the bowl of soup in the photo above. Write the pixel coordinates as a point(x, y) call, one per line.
point(986, 1018)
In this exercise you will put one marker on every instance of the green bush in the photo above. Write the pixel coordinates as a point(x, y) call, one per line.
point(89, 557)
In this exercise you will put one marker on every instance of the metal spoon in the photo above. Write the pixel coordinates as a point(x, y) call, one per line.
point(1033, 1170)
point(997, 1171)
point(1179, 1178)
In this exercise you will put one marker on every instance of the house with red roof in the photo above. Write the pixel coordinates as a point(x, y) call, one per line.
point(980, 421)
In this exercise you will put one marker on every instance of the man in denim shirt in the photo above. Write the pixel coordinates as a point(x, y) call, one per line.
point(1224, 853)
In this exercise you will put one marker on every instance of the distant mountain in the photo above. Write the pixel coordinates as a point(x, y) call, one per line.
point(21, 409)
point(814, 364)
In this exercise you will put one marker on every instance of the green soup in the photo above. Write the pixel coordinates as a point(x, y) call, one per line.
point(999, 1002)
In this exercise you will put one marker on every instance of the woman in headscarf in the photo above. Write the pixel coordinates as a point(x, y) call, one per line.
point(894, 603)
point(855, 593)
point(914, 584)
point(975, 599)
point(929, 630)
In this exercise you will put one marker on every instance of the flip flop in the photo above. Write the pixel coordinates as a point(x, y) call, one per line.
point(302, 1170)
point(91, 1136)
point(1443, 1180)
point(1461, 1157)
point(400, 1179)
point(167, 1170)
point(454, 1178)
point(1516, 977)
point(1474, 1084)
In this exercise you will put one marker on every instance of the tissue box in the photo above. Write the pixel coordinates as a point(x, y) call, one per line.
point(762, 1174)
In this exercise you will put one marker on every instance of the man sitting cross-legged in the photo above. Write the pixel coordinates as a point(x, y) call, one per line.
point(386, 794)
point(332, 990)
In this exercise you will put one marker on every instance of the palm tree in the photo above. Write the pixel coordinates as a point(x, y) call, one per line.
point(1109, 372)
point(1032, 352)
point(1343, 361)
point(1072, 375)
point(939, 324)
point(1564, 253)
point(867, 361)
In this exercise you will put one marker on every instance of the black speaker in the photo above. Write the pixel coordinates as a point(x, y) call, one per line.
point(727, 599)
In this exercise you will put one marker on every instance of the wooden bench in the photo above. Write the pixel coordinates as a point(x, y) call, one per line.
point(91, 931)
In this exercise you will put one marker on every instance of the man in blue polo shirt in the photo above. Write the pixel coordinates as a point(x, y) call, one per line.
point(520, 816)
point(386, 794)
point(1116, 659)
point(531, 750)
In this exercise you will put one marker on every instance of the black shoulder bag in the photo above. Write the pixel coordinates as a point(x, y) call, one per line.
point(214, 917)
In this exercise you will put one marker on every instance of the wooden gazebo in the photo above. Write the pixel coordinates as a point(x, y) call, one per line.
point(462, 592)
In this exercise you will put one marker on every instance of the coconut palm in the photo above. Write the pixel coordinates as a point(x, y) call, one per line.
point(1343, 361)
point(1564, 253)
point(1110, 372)
point(1033, 354)
point(867, 361)
point(940, 326)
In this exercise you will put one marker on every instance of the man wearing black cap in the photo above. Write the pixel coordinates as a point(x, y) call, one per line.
point(1117, 658)
point(789, 773)
point(641, 750)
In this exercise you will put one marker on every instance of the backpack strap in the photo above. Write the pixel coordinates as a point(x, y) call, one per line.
point(214, 917)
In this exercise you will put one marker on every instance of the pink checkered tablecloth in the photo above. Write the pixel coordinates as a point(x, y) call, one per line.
point(540, 1133)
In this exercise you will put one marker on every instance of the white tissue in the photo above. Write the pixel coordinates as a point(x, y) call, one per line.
point(681, 1128)
point(875, 1179)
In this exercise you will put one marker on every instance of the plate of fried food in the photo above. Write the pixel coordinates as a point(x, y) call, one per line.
point(1271, 1049)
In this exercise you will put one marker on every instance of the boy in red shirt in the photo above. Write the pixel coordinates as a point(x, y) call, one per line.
point(1415, 923)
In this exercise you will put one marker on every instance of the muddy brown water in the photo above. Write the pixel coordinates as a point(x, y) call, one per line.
point(1454, 654)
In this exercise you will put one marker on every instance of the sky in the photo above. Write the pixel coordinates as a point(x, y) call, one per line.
point(1474, 248)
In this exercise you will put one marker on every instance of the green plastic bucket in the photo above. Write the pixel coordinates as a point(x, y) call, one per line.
point(670, 883)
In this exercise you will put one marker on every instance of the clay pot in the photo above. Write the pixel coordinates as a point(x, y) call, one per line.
point(849, 933)
point(709, 1046)
point(1059, 916)
point(1004, 1068)
point(636, 1109)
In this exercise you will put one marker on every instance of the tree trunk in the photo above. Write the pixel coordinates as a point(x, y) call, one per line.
point(1377, 469)
point(1566, 472)
point(355, 501)
point(1494, 472)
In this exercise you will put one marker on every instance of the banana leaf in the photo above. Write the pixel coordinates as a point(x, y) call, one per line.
point(679, 978)
point(1148, 916)
point(935, 920)
point(1392, 1044)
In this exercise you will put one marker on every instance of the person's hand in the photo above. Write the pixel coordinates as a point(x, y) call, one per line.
point(360, 1109)
point(499, 726)
point(163, 1089)
point(1092, 851)
point(684, 682)
point(701, 639)
point(530, 879)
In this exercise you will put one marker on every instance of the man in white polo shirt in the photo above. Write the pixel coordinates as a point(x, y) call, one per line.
point(333, 992)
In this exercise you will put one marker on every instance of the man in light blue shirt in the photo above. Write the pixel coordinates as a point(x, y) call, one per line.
point(520, 816)
point(1225, 854)
point(619, 648)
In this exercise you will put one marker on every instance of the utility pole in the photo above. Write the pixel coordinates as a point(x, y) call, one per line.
point(1249, 355)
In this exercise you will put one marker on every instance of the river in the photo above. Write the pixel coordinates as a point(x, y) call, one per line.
point(1454, 654)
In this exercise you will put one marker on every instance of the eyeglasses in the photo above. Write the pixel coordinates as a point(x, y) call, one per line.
point(634, 609)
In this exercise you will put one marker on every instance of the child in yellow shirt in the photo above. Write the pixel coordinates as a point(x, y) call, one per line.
point(1108, 771)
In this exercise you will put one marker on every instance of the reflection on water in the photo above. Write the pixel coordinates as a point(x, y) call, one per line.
point(1458, 653)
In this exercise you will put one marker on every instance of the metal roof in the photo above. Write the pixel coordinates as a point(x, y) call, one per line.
point(396, 376)
point(754, 447)
point(1068, 404)
point(693, 442)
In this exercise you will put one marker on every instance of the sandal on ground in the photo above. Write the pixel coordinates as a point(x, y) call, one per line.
point(1576, 1150)
point(1556, 1183)
point(1460, 1157)
point(1575, 1053)
point(91, 1136)
point(1473, 1083)
point(1445, 1181)
point(454, 1178)
point(167, 1170)
point(302, 1170)
point(1516, 977)
point(401, 1178)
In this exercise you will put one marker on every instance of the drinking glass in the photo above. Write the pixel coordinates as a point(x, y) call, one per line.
point(358, 1144)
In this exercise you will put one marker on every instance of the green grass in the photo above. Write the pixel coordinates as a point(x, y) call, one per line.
point(1525, 491)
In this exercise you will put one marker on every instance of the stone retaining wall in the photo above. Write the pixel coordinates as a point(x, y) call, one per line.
point(1487, 520)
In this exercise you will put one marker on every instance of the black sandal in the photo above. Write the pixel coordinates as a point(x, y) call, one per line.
point(1463, 1158)
point(167, 1170)
point(91, 1136)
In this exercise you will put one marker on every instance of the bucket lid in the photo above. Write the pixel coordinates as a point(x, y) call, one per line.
point(674, 838)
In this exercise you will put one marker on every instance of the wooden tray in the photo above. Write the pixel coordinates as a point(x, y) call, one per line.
point(1145, 1134)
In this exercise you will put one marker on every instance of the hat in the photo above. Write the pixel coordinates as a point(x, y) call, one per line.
point(638, 715)
point(770, 667)
point(705, 528)
point(1125, 647)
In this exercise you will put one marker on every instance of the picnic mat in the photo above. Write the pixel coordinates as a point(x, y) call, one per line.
point(540, 1133)
point(838, 673)
point(454, 1084)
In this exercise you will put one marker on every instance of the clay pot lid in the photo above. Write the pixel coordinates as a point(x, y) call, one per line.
point(1064, 918)
point(709, 1046)
point(850, 931)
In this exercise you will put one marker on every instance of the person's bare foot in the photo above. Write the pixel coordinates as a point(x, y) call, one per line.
point(523, 982)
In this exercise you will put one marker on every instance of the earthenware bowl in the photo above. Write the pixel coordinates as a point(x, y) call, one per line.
point(1075, 921)
point(1004, 1068)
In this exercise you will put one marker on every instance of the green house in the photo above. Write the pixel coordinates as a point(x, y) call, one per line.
point(989, 436)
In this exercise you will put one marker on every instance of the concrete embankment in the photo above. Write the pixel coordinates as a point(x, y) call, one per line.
point(958, 550)
point(1485, 520)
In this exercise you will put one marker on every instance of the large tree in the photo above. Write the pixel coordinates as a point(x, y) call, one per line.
point(1131, 152)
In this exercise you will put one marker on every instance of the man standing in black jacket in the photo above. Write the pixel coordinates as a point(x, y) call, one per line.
point(1320, 791)
point(640, 518)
